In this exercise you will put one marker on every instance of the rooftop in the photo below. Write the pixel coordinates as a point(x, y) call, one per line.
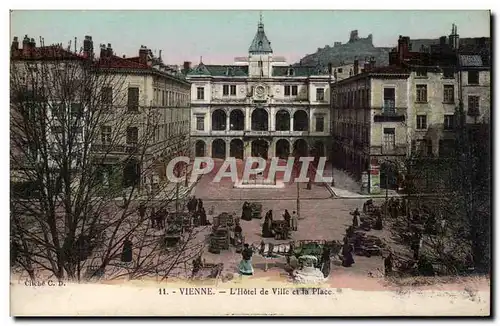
point(260, 43)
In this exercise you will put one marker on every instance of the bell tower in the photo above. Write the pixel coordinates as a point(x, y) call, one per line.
point(260, 53)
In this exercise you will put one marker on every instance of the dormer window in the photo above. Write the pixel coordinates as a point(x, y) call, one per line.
point(291, 72)
point(229, 72)
point(260, 43)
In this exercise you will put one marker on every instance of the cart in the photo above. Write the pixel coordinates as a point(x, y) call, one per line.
point(183, 219)
point(315, 248)
point(251, 210)
point(280, 229)
point(256, 210)
point(222, 227)
point(173, 234)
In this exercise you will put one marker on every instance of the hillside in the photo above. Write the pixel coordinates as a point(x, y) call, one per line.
point(344, 53)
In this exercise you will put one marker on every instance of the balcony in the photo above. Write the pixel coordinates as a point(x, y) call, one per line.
point(115, 149)
point(270, 133)
point(398, 149)
point(389, 113)
point(257, 133)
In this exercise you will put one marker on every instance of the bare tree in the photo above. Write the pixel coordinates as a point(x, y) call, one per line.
point(84, 154)
point(457, 235)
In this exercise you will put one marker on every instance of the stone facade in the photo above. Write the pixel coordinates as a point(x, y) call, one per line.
point(259, 106)
point(408, 108)
point(369, 119)
point(136, 95)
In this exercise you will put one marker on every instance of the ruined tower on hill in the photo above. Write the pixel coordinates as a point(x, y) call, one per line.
point(346, 52)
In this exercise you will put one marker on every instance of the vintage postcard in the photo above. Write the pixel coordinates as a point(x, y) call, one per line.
point(250, 163)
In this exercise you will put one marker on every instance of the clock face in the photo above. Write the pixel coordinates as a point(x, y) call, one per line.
point(259, 90)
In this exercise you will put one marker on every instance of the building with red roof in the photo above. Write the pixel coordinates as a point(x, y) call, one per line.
point(143, 102)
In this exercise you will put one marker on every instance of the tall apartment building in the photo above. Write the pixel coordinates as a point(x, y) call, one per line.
point(259, 106)
point(147, 89)
point(143, 106)
point(370, 117)
point(381, 115)
point(33, 115)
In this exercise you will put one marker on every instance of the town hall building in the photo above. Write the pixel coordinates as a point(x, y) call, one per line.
point(259, 106)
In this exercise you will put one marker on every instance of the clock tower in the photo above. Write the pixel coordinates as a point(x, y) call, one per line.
point(260, 54)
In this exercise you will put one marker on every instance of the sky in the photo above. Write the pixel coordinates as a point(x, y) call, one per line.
point(219, 36)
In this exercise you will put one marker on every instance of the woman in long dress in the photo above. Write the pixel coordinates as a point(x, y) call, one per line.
point(325, 261)
point(245, 266)
point(295, 221)
point(347, 257)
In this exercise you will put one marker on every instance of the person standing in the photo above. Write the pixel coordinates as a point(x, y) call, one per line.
point(127, 251)
point(142, 211)
point(245, 267)
point(355, 216)
point(152, 217)
point(388, 264)
point(191, 205)
point(325, 261)
point(266, 227)
point(246, 213)
point(347, 256)
point(287, 218)
point(197, 264)
point(416, 244)
point(158, 218)
point(238, 234)
point(378, 222)
point(203, 217)
point(295, 221)
point(200, 204)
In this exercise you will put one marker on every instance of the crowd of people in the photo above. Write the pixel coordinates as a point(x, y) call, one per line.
point(157, 217)
point(195, 207)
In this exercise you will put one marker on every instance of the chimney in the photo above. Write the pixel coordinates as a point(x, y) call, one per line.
point(187, 65)
point(143, 55)
point(26, 46)
point(403, 47)
point(454, 38)
point(356, 66)
point(372, 62)
point(104, 51)
point(442, 40)
point(109, 50)
point(88, 47)
point(366, 67)
point(15, 44)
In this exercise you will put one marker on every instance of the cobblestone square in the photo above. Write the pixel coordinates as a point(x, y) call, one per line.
point(322, 217)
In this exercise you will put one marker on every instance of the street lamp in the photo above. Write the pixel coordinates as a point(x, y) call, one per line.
point(331, 115)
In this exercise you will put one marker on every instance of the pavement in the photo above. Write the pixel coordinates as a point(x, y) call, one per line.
point(348, 188)
point(167, 191)
point(225, 190)
point(345, 188)
point(324, 215)
point(320, 219)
